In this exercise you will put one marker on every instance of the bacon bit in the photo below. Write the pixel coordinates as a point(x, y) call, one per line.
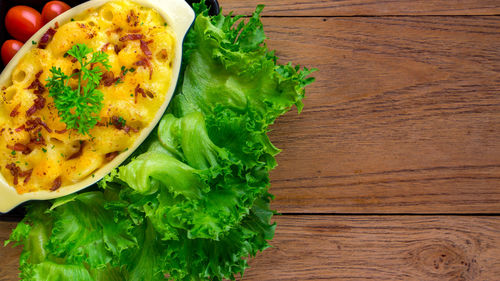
point(31, 123)
point(14, 111)
point(105, 47)
point(37, 76)
point(140, 63)
point(39, 88)
point(20, 128)
point(164, 54)
point(56, 25)
point(14, 171)
point(37, 138)
point(135, 31)
point(145, 63)
point(57, 183)
point(127, 129)
point(133, 36)
point(73, 60)
point(39, 103)
point(79, 152)
point(61, 131)
point(112, 155)
point(46, 38)
point(75, 71)
point(144, 93)
point(132, 17)
point(145, 49)
point(27, 175)
point(44, 125)
point(3, 129)
point(20, 147)
point(118, 49)
point(108, 78)
point(34, 85)
point(139, 90)
point(115, 120)
point(32, 109)
point(35, 123)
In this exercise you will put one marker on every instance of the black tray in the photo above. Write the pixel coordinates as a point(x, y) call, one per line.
point(18, 212)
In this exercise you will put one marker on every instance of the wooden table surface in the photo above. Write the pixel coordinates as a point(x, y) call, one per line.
point(392, 170)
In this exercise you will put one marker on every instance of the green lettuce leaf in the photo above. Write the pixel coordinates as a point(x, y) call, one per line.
point(73, 238)
point(202, 190)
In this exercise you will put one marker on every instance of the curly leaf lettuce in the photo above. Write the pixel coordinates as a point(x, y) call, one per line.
point(61, 240)
point(196, 187)
point(235, 82)
point(193, 202)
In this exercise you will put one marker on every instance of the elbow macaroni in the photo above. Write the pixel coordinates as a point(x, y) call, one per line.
point(41, 154)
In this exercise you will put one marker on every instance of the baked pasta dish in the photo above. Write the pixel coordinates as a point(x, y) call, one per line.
point(83, 95)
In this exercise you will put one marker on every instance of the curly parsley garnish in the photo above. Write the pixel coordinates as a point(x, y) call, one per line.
point(79, 108)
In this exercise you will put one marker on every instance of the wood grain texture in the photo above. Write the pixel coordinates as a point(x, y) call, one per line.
point(381, 248)
point(9, 257)
point(364, 7)
point(404, 116)
point(364, 248)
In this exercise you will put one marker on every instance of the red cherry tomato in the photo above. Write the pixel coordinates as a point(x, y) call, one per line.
point(52, 9)
point(9, 49)
point(22, 22)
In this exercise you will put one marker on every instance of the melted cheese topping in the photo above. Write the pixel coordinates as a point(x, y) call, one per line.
point(36, 152)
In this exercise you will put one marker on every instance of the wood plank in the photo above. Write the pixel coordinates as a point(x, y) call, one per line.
point(9, 256)
point(381, 248)
point(404, 116)
point(364, 247)
point(325, 8)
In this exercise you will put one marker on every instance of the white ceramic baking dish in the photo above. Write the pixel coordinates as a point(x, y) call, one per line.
point(178, 14)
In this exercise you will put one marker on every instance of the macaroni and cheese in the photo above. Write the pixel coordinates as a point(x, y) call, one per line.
point(37, 151)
